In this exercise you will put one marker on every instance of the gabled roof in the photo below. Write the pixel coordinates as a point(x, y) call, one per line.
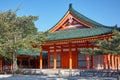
point(79, 16)
point(97, 29)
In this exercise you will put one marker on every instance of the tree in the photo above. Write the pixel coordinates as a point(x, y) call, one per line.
point(112, 45)
point(16, 33)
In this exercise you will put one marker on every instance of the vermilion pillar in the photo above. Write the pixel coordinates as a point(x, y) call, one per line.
point(70, 57)
point(113, 66)
point(115, 61)
point(41, 60)
point(98, 66)
point(118, 61)
point(87, 61)
point(54, 56)
point(105, 62)
point(109, 65)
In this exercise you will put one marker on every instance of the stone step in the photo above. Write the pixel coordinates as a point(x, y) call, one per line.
point(63, 72)
point(68, 72)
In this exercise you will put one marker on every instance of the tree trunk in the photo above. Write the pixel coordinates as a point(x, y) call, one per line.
point(15, 66)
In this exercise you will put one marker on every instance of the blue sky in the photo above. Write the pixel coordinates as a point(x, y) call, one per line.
point(106, 12)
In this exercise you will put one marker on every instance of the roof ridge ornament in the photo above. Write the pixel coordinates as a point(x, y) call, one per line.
point(70, 5)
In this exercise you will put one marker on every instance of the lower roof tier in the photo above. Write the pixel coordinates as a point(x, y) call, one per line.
point(31, 53)
point(78, 33)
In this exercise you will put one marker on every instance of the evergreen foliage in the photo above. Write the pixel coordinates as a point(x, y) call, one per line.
point(18, 33)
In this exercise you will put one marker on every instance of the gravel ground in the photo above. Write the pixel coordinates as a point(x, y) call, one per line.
point(50, 77)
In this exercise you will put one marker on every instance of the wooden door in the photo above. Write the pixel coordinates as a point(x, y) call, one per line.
point(65, 60)
point(74, 60)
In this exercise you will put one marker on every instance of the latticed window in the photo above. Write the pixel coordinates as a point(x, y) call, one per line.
point(58, 60)
point(81, 60)
point(51, 60)
point(98, 60)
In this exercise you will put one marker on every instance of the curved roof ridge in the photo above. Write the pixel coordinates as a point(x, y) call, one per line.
point(59, 20)
point(84, 18)
point(81, 17)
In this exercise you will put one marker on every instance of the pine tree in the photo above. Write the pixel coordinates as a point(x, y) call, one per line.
point(111, 45)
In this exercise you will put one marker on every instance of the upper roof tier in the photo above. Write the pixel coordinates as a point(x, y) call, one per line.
point(83, 18)
point(75, 25)
point(74, 19)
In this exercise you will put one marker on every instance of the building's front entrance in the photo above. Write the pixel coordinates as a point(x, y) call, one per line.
point(65, 60)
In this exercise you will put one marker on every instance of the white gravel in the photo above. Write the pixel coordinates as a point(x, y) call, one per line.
point(50, 77)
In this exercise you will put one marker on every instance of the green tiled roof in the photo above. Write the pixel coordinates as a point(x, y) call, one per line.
point(78, 33)
point(98, 29)
point(31, 53)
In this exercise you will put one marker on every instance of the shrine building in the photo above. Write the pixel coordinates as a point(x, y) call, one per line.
point(73, 32)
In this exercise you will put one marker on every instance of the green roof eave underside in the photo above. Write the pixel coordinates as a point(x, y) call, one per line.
point(78, 33)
